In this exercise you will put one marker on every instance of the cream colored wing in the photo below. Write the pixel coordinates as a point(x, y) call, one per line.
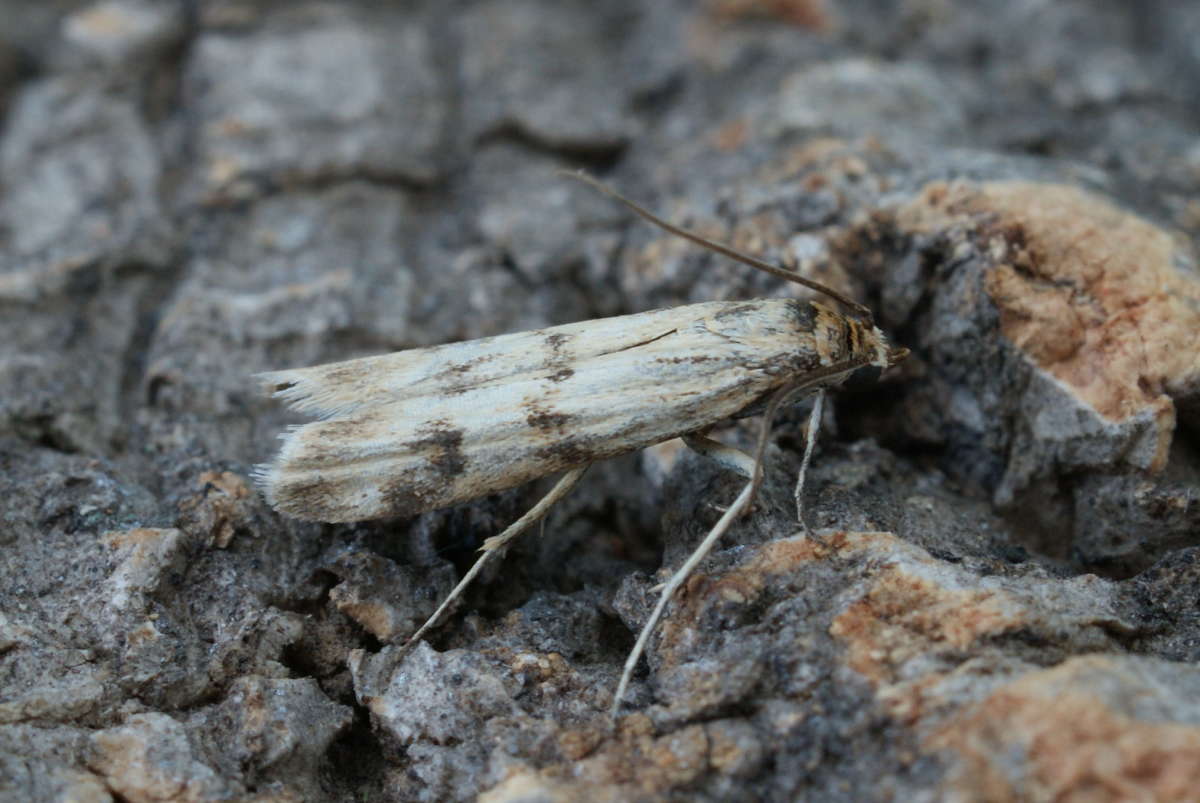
point(340, 388)
point(428, 428)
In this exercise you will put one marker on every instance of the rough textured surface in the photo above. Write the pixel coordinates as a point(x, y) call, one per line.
point(1004, 603)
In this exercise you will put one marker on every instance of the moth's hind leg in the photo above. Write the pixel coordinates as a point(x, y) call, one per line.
point(726, 456)
point(810, 441)
point(736, 460)
point(495, 544)
point(738, 507)
point(748, 466)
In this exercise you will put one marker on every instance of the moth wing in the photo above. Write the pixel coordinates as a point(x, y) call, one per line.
point(341, 388)
point(679, 372)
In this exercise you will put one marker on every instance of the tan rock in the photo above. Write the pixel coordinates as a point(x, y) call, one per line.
point(1090, 293)
point(1094, 728)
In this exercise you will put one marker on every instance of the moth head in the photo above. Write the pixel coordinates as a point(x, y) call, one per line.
point(865, 341)
point(875, 352)
point(885, 354)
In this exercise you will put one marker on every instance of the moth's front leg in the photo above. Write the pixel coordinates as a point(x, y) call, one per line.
point(810, 441)
point(726, 456)
point(738, 461)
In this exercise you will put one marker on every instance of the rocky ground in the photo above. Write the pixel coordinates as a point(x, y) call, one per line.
point(1005, 599)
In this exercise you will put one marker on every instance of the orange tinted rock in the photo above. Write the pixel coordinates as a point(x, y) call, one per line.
point(1094, 728)
point(223, 505)
point(1089, 293)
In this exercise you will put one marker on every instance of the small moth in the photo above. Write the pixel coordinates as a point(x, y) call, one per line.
point(403, 433)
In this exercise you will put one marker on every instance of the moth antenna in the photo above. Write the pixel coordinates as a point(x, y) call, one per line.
point(719, 248)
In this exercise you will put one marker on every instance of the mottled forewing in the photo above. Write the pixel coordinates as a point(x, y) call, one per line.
point(342, 388)
point(629, 382)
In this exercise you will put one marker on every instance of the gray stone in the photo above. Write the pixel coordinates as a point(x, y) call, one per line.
point(999, 598)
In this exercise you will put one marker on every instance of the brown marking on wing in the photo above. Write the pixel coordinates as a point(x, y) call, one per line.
point(647, 341)
point(558, 360)
point(695, 359)
point(806, 316)
point(567, 453)
point(323, 452)
point(411, 493)
point(345, 373)
point(309, 499)
point(402, 498)
point(804, 361)
point(444, 444)
point(466, 367)
point(545, 419)
point(736, 311)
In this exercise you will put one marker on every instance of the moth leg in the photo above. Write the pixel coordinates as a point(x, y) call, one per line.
point(494, 544)
point(814, 424)
point(725, 456)
point(738, 507)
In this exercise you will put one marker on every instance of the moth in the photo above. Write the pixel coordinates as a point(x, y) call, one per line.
point(417, 430)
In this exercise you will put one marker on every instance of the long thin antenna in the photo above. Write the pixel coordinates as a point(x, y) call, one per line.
point(720, 248)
